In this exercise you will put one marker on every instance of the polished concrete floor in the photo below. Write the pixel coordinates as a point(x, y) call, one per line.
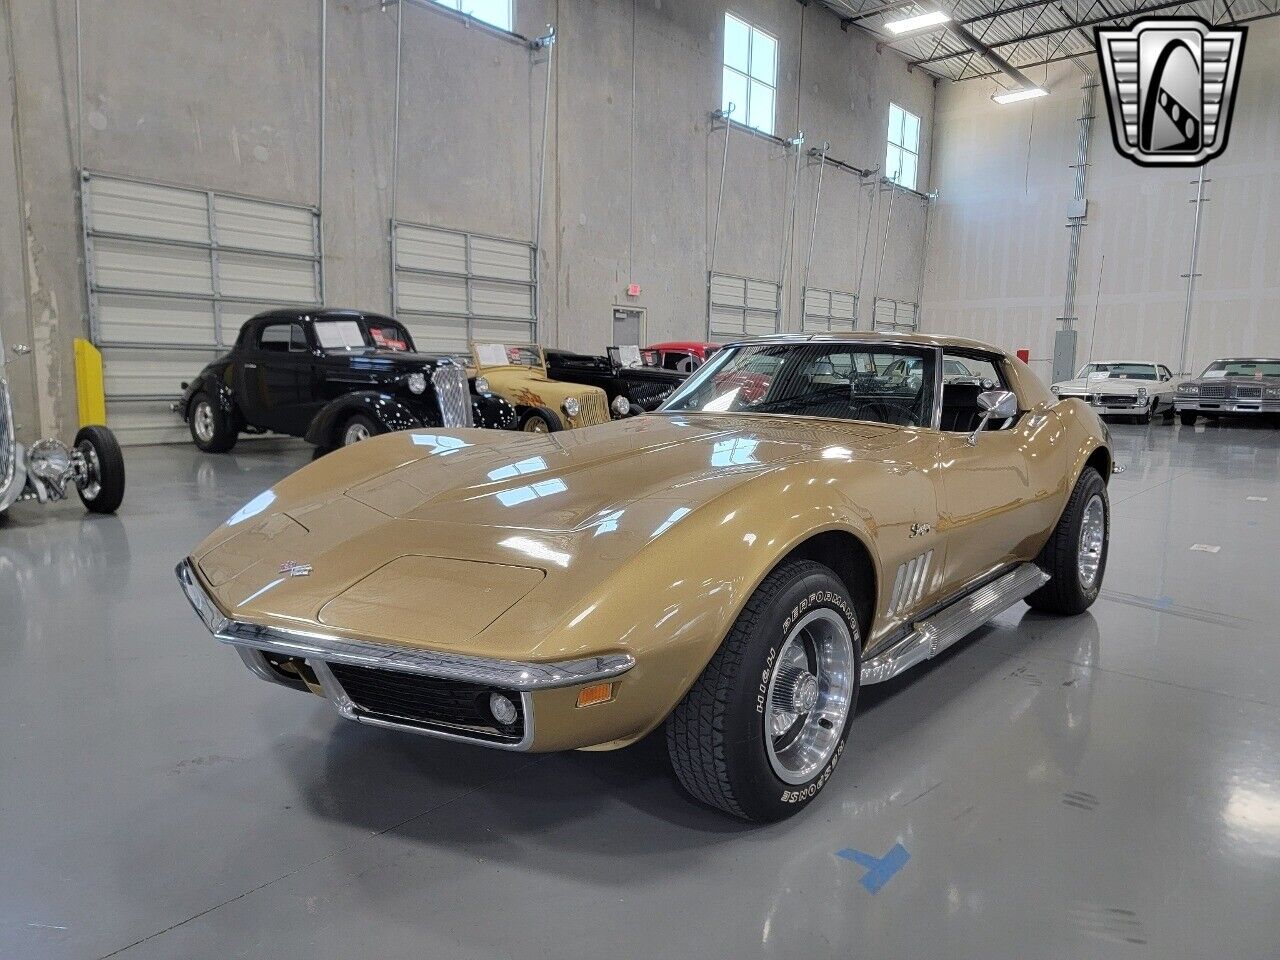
point(1104, 786)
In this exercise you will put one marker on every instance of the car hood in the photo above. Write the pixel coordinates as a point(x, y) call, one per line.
point(397, 361)
point(1082, 385)
point(466, 523)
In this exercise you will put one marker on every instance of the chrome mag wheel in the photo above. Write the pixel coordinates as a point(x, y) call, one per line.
point(89, 476)
point(1093, 534)
point(354, 433)
point(809, 693)
point(535, 425)
point(202, 421)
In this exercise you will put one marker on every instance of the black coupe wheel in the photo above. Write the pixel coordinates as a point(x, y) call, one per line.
point(100, 482)
point(762, 729)
point(1188, 417)
point(356, 428)
point(1076, 555)
point(211, 428)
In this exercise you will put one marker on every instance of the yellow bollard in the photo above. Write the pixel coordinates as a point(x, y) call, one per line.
point(90, 393)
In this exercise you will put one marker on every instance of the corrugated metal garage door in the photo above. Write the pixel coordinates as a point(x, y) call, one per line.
point(452, 287)
point(827, 311)
point(742, 307)
point(173, 272)
point(897, 315)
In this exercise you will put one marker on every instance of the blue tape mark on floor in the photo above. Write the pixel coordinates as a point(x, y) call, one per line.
point(880, 870)
point(1164, 603)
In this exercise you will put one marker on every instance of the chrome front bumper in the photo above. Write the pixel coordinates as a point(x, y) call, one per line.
point(319, 650)
point(1226, 406)
point(1138, 407)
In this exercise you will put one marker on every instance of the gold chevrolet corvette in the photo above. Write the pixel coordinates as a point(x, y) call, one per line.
point(805, 515)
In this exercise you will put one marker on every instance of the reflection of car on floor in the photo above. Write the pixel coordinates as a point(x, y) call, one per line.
point(333, 376)
point(518, 374)
point(734, 569)
point(682, 356)
point(1239, 386)
point(631, 388)
point(44, 471)
point(1134, 388)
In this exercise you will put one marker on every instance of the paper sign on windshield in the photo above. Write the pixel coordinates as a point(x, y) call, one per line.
point(629, 356)
point(339, 334)
point(492, 354)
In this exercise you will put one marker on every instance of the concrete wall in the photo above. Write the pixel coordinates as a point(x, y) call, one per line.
point(997, 258)
point(226, 95)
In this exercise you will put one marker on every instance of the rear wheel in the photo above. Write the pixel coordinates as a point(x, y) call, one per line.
point(762, 729)
point(101, 481)
point(211, 428)
point(1188, 417)
point(1076, 555)
point(356, 428)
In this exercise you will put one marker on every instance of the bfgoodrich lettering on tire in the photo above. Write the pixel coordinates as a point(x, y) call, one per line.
point(762, 729)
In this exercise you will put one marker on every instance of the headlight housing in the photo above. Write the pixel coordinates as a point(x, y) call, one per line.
point(416, 382)
point(621, 405)
point(571, 407)
point(1272, 393)
point(1190, 388)
point(482, 385)
point(1142, 393)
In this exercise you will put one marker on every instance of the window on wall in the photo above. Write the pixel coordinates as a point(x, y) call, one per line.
point(750, 74)
point(903, 155)
point(494, 12)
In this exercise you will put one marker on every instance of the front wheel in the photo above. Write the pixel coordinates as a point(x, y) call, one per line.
point(1188, 417)
point(358, 427)
point(100, 478)
point(1076, 555)
point(211, 429)
point(540, 420)
point(762, 729)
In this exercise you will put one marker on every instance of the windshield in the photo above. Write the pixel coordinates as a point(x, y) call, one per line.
point(845, 381)
point(352, 336)
point(1120, 371)
point(1242, 368)
point(508, 355)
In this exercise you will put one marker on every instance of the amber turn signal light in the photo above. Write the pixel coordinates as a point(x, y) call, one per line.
point(596, 693)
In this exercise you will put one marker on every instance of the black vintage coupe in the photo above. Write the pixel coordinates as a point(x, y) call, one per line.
point(632, 388)
point(334, 377)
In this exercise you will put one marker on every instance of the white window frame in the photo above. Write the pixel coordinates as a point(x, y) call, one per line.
point(897, 141)
point(459, 6)
point(742, 111)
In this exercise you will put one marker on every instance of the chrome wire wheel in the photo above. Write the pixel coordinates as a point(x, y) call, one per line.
point(89, 476)
point(354, 433)
point(1093, 535)
point(809, 693)
point(535, 424)
point(202, 421)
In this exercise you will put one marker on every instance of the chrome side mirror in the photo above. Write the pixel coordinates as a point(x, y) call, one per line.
point(995, 405)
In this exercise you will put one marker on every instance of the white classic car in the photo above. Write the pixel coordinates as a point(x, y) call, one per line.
point(1129, 388)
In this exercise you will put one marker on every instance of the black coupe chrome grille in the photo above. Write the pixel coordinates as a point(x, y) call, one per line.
point(446, 705)
point(7, 452)
point(453, 395)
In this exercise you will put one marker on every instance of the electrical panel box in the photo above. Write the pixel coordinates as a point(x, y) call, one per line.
point(1064, 355)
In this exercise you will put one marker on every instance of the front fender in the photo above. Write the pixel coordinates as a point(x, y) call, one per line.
point(490, 411)
point(390, 413)
point(213, 383)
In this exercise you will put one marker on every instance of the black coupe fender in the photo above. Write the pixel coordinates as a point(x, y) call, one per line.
point(393, 413)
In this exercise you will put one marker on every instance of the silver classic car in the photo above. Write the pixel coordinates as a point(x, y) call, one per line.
point(1235, 386)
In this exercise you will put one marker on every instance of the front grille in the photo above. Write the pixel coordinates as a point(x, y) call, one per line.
point(1116, 400)
point(7, 452)
point(594, 409)
point(453, 395)
point(447, 705)
point(1248, 393)
point(1215, 391)
point(647, 396)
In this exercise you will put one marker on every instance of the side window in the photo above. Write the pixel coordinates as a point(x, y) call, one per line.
point(1164, 373)
point(283, 338)
point(963, 378)
point(682, 362)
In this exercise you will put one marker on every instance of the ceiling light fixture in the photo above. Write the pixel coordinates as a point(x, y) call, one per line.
point(1013, 96)
point(920, 22)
